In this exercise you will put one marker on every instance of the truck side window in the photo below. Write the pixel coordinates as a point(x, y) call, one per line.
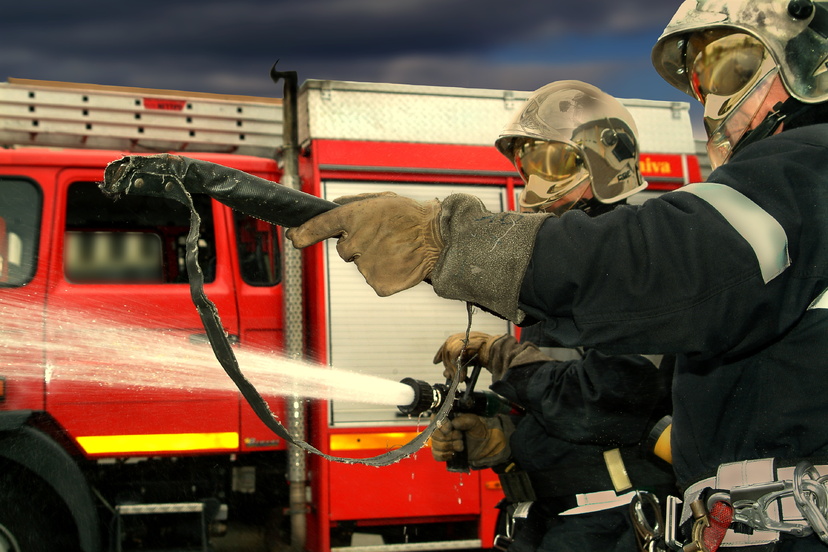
point(258, 245)
point(20, 214)
point(134, 240)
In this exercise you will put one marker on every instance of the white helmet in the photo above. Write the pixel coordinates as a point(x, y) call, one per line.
point(569, 136)
point(740, 58)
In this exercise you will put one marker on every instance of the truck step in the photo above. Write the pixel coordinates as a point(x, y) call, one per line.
point(208, 510)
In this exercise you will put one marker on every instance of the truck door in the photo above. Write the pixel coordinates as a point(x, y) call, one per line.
point(392, 338)
point(21, 294)
point(130, 369)
point(261, 322)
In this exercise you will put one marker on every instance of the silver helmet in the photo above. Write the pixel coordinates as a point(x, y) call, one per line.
point(569, 137)
point(741, 57)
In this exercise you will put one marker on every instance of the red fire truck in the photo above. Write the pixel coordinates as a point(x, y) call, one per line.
point(115, 431)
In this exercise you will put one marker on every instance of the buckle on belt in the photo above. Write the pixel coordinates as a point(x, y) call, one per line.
point(750, 504)
point(517, 487)
point(515, 515)
point(810, 493)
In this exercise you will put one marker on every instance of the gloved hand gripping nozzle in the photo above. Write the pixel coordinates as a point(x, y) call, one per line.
point(435, 397)
point(173, 176)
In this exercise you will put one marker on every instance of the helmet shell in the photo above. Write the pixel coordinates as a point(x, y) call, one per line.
point(597, 125)
point(796, 43)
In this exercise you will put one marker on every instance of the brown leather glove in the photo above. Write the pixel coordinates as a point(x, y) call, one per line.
point(455, 345)
point(496, 353)
point(487, 439)
point(506, 353)
point(393, 240)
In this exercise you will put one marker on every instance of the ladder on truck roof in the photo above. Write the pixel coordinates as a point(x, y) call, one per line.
point(74, 115)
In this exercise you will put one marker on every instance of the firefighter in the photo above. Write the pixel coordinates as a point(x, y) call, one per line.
point(729, 274)
point(578, 455)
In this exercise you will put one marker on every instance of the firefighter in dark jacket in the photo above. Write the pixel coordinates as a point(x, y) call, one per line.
point(578, 457)
point(729, 274)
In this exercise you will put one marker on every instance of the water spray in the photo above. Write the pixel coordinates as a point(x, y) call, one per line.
point(176, 177)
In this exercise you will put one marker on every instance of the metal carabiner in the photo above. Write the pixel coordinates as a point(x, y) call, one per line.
point(811, 497)
point(650, 536)
point(701, 521)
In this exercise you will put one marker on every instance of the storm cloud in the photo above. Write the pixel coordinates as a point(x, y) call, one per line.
point(229, 47)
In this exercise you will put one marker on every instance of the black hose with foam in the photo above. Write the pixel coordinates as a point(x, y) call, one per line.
point(254, 196)
point(176, 177)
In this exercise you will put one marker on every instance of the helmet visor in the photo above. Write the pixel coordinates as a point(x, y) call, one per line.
point(723, 63)
point(550, 170)
point(552, 161)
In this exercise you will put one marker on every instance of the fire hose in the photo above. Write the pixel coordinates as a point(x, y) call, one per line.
point(176, 177)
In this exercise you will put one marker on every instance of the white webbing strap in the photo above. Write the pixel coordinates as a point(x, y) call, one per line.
point(742, 474)
point(598, 501)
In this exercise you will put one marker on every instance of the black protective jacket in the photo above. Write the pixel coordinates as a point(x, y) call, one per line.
point(727, 276)
point(577, 409)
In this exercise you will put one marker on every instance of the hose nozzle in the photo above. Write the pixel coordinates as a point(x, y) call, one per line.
point(431, 397)
point(425, 398)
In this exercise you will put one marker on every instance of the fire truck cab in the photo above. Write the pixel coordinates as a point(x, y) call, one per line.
point(118, 429)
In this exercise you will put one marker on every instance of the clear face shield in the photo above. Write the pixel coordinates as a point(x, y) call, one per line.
point(554, 173)
point(732, 74)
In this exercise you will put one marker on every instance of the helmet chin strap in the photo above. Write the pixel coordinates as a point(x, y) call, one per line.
point(786, 111)
point(593, 207)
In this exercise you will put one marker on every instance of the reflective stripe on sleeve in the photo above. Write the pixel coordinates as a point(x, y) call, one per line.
point(821, 302)
point(765, 235)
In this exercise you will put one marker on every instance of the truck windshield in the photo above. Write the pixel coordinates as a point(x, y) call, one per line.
point(135, 240)
point(20, 212)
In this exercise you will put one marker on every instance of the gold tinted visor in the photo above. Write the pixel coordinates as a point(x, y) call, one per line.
point(722, 63)
point(550, 170)
point(552, 161)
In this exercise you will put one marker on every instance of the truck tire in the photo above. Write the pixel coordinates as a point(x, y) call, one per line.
point(32, 516)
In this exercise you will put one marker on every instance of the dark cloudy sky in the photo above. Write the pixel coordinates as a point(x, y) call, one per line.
point(229, 46)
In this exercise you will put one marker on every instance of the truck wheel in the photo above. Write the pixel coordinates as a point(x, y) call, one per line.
point(32, 516)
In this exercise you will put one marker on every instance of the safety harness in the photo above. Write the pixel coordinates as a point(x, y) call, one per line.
point(753, 502)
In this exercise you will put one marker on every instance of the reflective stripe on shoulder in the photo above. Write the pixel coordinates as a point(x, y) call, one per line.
point(821, 302)
point(561, 353)
point(763, 232)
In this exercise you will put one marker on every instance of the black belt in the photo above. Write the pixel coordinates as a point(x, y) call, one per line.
point(568, 481)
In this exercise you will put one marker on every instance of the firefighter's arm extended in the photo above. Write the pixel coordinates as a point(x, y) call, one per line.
point(487, 439)
point(397, 242)
point(596, 400)
point(496, 353)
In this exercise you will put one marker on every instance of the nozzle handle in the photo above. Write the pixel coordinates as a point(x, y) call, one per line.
point(459, 461)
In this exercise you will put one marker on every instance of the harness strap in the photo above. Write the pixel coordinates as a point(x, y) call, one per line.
point(598, 501)
point(759, 494)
